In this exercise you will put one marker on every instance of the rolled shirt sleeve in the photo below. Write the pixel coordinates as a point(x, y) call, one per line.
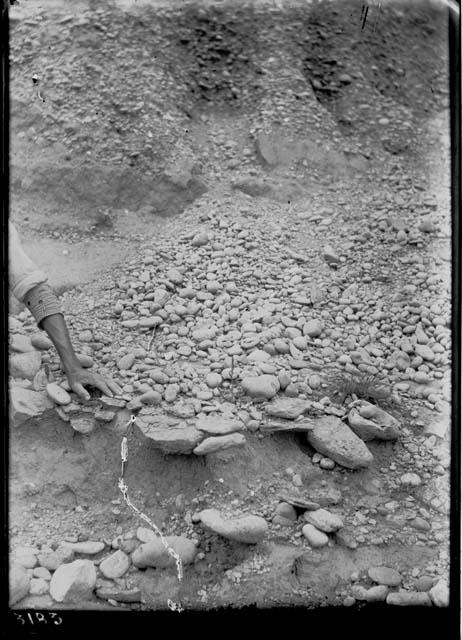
point(24, 275)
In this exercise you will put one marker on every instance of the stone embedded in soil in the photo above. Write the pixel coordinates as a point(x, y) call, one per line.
point(298, 426)
point(373, 594)
point(218, 425)
point(58, 394)
point(369, 429)
point(330, 255)
point(314, 537)
point(248, 529)
point(84, 423)
point(324, 520)
point(25, 365)
point(115, 565)
point(180, 438)
point(299, 502)
point(73, 582)
point(385, 575)
point(219, 443)
point(334, 439)
point(26, 404)
point(261, 387)
point(19, 583)
point(440, 594)
point(38, 587)
point(41, 572)
point(119, 595)
point(54, 559)
point(105, 416)
point(287, 408)
point(409, 598)
point(287, 511)
point(154, 554)
point(88, 548)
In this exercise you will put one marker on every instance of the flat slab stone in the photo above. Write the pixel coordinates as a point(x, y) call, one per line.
point(385, 575)
point(298, 426)
point(219, 443)
point(334, 439)
point(218, 425)
point(249, 529)
point(287, 408)
point(409, 599)
point(119, 595)
point(171, 439)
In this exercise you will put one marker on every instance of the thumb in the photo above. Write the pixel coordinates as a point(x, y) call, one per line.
point(80, 391)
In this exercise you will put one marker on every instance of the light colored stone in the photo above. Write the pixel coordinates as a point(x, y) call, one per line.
point(19, 582)
point(334, 439)
point(261, 387)
point(218, 425)
point(41, 572)
point(52, 560)
point(313, 328)
point(88, 548)
point(219, 443)
point(41, 341)
point(171, 439)
point(287, 408)
point(25, 365)
point(385, 575)
point(126, 362)
point(373, 429)
point(84, 423)
point(314, 537)
point(26, 404)
point(324, 520)
point(440, 594)
point(73, 582)
point(58, 394)
point(154, 554)
point(38, 587)
point(115, 566)
point(409, 599)
point(249, 529)
point(20, 343)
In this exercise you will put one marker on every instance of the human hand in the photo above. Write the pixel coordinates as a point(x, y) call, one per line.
point(79, 378)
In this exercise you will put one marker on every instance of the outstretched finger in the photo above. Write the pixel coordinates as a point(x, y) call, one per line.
point(100, 384)
point(80, 391)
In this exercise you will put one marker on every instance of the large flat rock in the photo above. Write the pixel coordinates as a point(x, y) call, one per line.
point(178, 438)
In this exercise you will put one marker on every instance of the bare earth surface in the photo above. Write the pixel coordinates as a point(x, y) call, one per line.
point(217, 193)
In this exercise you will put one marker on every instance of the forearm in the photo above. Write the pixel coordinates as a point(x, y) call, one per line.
point(56, 328)
point(44, 306)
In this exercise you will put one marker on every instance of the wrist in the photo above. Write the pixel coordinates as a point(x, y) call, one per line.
point(71, 365)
